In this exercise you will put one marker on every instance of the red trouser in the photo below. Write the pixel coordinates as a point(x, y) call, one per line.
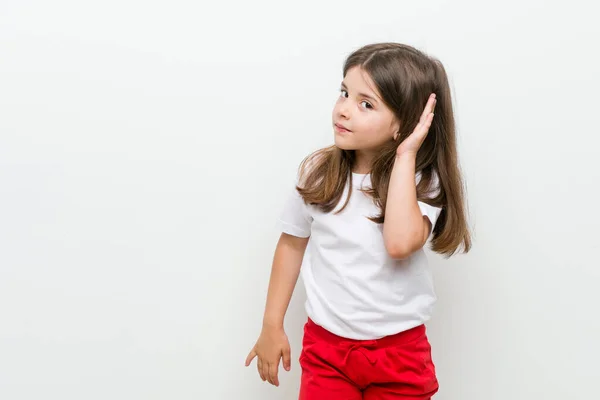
point(394, 367)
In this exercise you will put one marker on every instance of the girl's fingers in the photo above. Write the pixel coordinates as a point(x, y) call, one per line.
point(259, 366)
point(422, 128)
point(428, 109)
point(273, 374)
point(250, 357)
point(266, 372)
point(427, 124)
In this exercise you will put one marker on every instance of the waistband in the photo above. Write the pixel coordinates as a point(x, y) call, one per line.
point(396, 339)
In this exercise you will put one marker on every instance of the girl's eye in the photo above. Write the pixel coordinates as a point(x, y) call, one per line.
point(368, 105)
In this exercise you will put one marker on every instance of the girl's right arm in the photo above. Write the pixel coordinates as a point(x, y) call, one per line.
point(272, 344)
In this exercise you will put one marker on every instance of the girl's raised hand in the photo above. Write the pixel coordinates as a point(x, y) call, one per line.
point(414, 141)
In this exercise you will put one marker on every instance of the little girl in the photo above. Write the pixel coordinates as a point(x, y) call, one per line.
point(369, 204)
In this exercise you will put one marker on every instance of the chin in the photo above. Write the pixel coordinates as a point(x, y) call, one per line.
point(342, 144)
point(342, 140)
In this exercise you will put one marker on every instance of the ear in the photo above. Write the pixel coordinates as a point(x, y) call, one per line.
point(395, 129)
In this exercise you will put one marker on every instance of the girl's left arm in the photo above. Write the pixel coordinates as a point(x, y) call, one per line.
point(405, 229)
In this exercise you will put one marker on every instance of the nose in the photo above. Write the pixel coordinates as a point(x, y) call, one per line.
point(342, 110)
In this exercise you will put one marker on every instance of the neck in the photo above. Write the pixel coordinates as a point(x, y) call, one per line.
point(362, 162)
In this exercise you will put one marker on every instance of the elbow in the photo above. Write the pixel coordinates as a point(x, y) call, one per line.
point(402, 245)
point(400, 251)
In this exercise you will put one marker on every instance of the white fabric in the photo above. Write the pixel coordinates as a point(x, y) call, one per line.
point(354, 288)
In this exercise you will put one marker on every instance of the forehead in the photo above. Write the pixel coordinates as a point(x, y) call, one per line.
point(359, 80)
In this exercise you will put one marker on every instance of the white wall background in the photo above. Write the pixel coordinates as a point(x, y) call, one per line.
point(146, 149)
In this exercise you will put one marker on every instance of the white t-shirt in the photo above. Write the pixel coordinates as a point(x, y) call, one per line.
point(354, 288)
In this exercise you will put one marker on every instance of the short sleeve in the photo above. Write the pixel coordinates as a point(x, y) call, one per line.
point(427, 210)
point(430, 211)
point(295, 218)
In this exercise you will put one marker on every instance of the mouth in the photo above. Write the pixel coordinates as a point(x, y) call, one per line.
point(341, 128)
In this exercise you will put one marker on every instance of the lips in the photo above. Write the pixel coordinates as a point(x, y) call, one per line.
point(342, 128)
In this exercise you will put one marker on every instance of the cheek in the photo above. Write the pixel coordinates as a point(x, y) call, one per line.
point(375, 129)
point(336, 106)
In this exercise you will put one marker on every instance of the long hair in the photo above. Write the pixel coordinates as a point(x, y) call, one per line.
point(404, 78)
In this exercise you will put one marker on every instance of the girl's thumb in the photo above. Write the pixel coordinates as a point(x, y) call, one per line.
point(287, 359)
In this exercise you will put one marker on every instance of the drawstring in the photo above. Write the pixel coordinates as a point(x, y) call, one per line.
point(361, 346)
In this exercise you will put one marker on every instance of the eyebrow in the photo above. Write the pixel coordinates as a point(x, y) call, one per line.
point(361, 94)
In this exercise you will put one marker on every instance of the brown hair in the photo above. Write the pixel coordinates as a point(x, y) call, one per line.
point(404, 78)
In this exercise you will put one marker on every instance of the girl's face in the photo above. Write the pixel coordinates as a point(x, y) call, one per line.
point(361, 120)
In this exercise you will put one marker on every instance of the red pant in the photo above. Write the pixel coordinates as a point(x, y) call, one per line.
point(394, 367)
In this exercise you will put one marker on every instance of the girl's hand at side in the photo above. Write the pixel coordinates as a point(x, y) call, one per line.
point(271, 346)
